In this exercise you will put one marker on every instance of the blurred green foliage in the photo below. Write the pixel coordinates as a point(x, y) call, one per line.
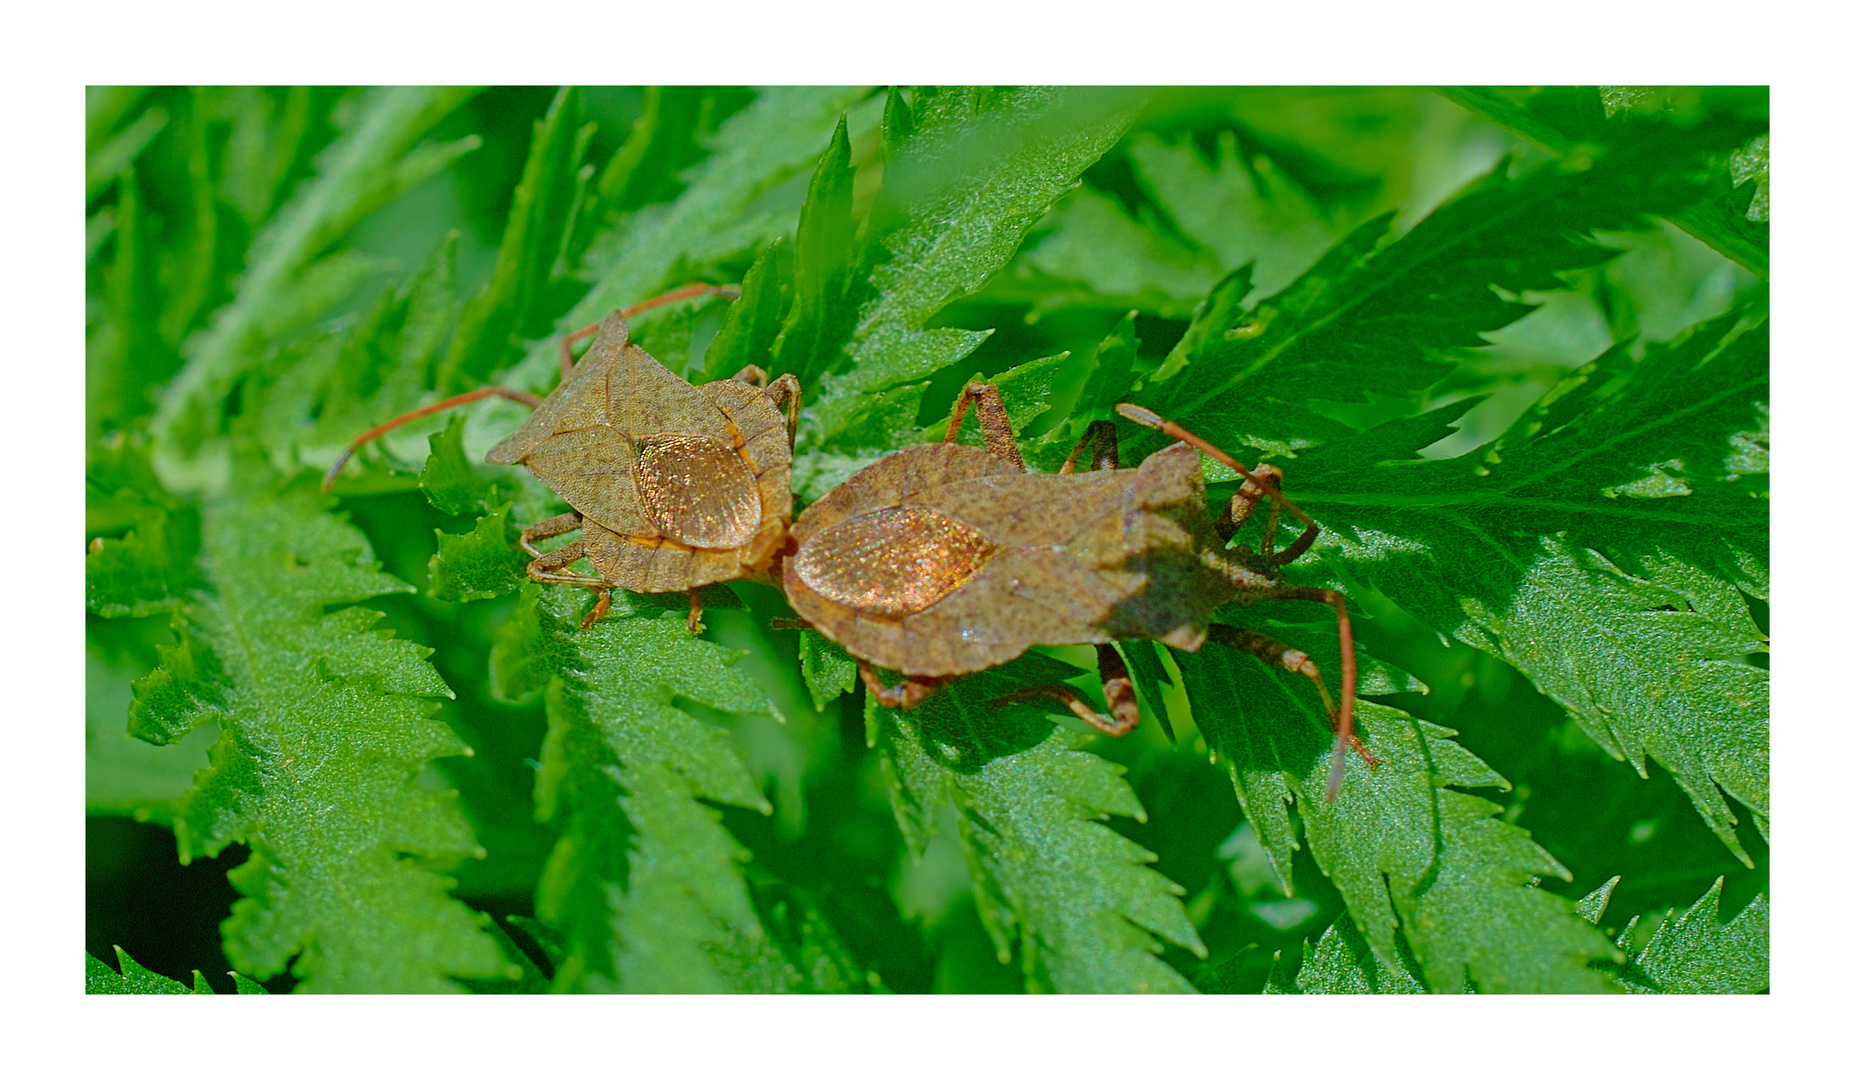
point(1508, 344)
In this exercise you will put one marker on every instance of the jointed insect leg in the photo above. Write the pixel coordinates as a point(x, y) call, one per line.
point(1116, 684)
point(905, 695)
point(550, 567)
point(994, 422)
point(531, 400)
point(1274, 652)
point(1149, 418)
point(695, 612)
point(1107, 448)
point(557, 525)
point(783, 392)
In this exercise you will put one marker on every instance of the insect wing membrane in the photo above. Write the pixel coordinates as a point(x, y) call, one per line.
point(696, 490)
point(893, 561)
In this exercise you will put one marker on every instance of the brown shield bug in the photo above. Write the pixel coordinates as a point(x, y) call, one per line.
point(672, 486)
point(944, 559)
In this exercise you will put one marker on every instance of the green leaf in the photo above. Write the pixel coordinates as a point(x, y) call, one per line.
point(1405, 850)
point(828, 670)
point(1566, 119)
point(1073, 896)
point(134, 978)
point(122, 774)
point(1344, 964)
point(822, 265)
point(532, 241)
point(958, 198)
point(1693, 952)
point(482, 563)
point(325, 727)
point(1370, 320)
point(371, 164)
point(753, 152)
point(455, 485)
point(1117, 260)
point(100, 978)
point(148, 570)
point(114, 158)
point(324, 392)
point(136, 356)
point(752, 326)
point(644, 884)
point(1602, 549)
point(1218, 215)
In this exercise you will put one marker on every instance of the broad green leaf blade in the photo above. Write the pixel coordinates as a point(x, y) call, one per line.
point(325, 727)
point(1084, 911)
point(1370, 318)
point(645, 884)
point(1406, 851)
point(370, 164)
point(1693, 952)
point(958, 197)
point(1601, 548)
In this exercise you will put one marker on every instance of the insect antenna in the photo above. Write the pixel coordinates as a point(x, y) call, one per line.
point(533, 401)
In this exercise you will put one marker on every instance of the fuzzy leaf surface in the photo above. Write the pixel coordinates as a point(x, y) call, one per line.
point(373, 162)
point(959, 194)
point(1601, 547)
point(645, 885)
point(1076, 899)
point(325, 726)
point(1409, 852)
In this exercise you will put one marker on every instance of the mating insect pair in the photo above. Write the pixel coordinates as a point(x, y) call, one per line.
point(937, 561)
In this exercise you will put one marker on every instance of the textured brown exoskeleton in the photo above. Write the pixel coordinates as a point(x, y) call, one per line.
point(945, 559)
point(672, 486)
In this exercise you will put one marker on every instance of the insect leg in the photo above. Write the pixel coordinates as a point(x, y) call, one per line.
point(1275, 653)
point(551, 567)
point(531, 400)
point(1107, 448)
point(557, 525)
point(1149, 418)
point(695, 612)
point(1248, 497)
point(906, 695)
point(994, 422)
point(784, 392)
point(1116, 684)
